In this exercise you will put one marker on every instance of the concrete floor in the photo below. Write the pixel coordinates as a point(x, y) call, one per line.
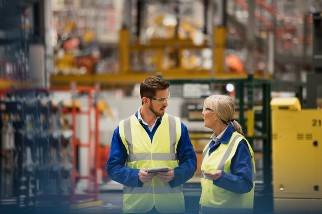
point(111, 198)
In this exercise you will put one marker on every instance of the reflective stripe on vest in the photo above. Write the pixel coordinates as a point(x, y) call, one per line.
point(225, 157)
point(154, 156)
point(149, 156)
point(149, 189)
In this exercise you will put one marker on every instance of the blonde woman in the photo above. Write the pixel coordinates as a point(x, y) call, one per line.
point(228, 161)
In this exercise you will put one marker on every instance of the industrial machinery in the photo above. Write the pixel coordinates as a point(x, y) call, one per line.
point(296, 157)
point(296, 142)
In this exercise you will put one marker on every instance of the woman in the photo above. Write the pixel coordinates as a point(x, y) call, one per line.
point(228, 161)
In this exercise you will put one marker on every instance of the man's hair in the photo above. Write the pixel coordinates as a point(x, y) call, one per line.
point(151, 85)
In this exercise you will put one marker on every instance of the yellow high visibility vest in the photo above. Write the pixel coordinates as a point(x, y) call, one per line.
point(143, 153)
point(213, 196)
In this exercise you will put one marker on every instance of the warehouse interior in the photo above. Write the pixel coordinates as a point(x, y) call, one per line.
point(70, 70)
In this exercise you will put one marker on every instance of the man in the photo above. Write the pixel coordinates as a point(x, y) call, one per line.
point(152, 139)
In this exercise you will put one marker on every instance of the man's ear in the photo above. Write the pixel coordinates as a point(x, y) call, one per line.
point(145, 100)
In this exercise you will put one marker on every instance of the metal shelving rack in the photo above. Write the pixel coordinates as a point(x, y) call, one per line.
point(90, 196)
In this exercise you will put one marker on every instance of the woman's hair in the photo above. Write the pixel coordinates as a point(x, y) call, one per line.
point(151, 85)
point(224, 107)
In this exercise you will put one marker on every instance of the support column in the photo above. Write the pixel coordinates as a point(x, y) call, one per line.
point(219, 40)
point(250, 35)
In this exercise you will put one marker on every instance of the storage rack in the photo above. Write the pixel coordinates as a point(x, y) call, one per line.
point(30, 114)
point(42, 160)
point(90, 197)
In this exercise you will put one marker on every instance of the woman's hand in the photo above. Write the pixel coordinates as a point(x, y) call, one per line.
point(213, 176)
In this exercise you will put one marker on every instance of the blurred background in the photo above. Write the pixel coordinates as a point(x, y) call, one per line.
point(70, 71)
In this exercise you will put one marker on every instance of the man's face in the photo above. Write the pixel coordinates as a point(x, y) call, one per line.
point(159, 103)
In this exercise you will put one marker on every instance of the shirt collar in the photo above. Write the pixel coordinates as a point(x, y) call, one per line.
point(215, 137)
point(224, 136)
point(140, 119)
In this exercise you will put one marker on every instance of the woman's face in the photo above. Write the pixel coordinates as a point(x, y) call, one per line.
point(209, 117)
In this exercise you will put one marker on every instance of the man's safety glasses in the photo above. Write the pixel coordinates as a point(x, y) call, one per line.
point(160, 100)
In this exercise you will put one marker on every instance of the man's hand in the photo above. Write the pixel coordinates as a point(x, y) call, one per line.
point(166, 176)
point(213, 176)
point(144, 176)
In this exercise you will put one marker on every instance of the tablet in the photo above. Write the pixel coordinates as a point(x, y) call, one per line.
point(158, 169)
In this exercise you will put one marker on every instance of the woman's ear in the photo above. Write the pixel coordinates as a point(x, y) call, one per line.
point(216, 117)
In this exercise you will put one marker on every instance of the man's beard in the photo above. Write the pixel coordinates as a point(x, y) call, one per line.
point(155, 113)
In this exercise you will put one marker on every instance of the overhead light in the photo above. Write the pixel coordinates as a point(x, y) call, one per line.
point(230, 87)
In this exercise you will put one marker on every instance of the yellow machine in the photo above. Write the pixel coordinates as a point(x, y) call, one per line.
point(297, 157)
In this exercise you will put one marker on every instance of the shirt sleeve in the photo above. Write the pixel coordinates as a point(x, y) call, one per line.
point(240, 180)
point(115, 165)
point(187, 159)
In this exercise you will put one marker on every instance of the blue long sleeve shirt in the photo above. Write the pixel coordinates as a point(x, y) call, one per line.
point(240, 180)
point(117, 171)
